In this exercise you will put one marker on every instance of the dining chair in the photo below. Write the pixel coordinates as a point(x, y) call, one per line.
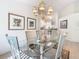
point(16, 52)
point(54, 35)
point(60, 47)
point(32, 43)
point(12, 40)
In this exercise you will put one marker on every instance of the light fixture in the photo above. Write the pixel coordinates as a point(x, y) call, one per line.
point(42, 10)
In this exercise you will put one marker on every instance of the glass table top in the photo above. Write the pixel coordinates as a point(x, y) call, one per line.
point(42, 43)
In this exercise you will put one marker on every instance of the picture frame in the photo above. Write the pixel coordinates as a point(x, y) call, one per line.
point(31, 23)
point(64, 24)
point(16, 22)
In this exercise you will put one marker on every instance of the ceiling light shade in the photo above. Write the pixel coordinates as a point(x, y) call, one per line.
point(41, 6)
point(35, 9)
point(42, 10)
point(50, 9)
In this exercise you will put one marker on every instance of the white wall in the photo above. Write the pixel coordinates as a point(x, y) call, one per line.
point(72, 32)
point(70, 9)
point(15, 7)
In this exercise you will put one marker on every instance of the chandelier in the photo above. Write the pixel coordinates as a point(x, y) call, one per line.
point(42, 10)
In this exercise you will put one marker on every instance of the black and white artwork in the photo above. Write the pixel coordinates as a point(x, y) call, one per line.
point(31, 23)
point(63, 24)
point(16, 22)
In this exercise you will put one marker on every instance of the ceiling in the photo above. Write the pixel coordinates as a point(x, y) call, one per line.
point(57, 4)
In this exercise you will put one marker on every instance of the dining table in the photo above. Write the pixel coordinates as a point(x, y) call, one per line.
point(43, 48)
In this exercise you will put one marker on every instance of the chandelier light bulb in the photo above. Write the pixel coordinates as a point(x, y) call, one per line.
point(50, 9)
point(41, 8)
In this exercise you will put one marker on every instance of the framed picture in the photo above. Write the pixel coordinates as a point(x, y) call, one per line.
point(16, 22)
point(63, 24)
point(31, 23)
